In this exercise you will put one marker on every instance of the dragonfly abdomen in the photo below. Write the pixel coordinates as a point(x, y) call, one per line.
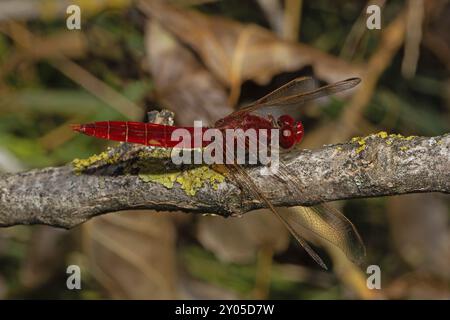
point(149, 134)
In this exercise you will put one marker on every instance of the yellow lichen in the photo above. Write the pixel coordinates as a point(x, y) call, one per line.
point(166, 179)
point(382, 134)
point(361, 148)
point(339, 149)
point(401, 137)
point(403, 148)
point(82, 164)
point(151, 167)
point(361, 142)
point(190, 180)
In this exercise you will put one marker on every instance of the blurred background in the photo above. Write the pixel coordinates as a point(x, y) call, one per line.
point(202, 60)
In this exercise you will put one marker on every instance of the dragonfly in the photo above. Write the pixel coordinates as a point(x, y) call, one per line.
point(276, 110)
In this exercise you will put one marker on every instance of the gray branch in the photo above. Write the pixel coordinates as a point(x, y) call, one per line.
point(370, 167)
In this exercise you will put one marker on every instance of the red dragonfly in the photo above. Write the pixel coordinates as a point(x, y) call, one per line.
point(322, 220)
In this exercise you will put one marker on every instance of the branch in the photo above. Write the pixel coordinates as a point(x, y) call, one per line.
point(367, 167)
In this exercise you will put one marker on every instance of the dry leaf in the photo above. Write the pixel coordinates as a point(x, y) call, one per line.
point(237, 52)
point(181, 82)
point(132, 254)
point(238, 239)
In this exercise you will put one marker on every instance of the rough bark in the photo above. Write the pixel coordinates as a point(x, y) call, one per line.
point(370, 167)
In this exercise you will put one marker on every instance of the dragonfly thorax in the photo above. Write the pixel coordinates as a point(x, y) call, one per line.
point(291, 131)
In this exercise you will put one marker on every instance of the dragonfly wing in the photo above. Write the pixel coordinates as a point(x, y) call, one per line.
point(319, 92)
point(328, 223)
point(294, 87)
point(297, 235)
point(323, 220)
point(241, 176)
point(291, 96)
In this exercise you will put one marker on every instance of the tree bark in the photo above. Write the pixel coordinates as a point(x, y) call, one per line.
point(368, 167)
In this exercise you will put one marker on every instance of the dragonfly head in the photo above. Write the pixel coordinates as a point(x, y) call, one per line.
point(291, 131)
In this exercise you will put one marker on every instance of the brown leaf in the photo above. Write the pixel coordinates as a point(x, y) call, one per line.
point(181, 82)
point(237, 52)
point(238, 239)
point(133, 254)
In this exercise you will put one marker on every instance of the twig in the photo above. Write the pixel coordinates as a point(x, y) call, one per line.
point(292, 17)
point(413, 37)
point(368, 167)
point(274, 15)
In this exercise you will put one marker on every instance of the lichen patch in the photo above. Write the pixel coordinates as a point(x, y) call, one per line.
point(390, 139)
point(106, 157)
point(190, 180)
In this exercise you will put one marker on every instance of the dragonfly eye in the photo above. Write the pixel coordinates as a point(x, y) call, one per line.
point(287, 138)
point(285, 120)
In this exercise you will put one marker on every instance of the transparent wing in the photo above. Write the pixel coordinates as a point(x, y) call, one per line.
point(293, 94)
point(317, 93)
point(246, 182)
point(323, 220)
point(327, 223)
point(294, 87)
